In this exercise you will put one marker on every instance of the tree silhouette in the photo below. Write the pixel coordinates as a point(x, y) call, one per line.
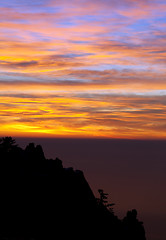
point(133, 227)
point(7, 144)
point(103, 200)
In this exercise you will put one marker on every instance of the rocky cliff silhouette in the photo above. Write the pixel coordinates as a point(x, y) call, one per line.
point(40, 199)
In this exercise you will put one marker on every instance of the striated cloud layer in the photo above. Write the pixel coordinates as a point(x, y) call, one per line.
point(83, 68)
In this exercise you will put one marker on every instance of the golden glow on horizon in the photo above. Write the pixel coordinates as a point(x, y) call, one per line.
point(79, 117)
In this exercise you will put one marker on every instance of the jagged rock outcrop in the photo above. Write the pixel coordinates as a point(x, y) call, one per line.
point(41, 199)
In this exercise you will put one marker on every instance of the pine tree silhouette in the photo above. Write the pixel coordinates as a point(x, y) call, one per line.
point(103, 200)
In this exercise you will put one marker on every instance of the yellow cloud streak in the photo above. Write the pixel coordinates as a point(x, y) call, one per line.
point(61, 117)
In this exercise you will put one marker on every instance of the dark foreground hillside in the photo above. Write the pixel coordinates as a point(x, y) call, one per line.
point(40, 199)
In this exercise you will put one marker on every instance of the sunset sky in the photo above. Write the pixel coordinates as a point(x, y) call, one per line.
point(83, 68)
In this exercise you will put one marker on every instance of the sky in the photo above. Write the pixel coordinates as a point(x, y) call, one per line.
point(83, 68)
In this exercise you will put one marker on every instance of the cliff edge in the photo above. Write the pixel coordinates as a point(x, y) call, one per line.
point(40, 199)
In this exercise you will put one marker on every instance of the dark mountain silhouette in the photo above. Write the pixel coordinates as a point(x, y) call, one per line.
point(40, 199)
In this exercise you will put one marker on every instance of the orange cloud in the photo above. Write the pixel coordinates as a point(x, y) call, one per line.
point(83, 68)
